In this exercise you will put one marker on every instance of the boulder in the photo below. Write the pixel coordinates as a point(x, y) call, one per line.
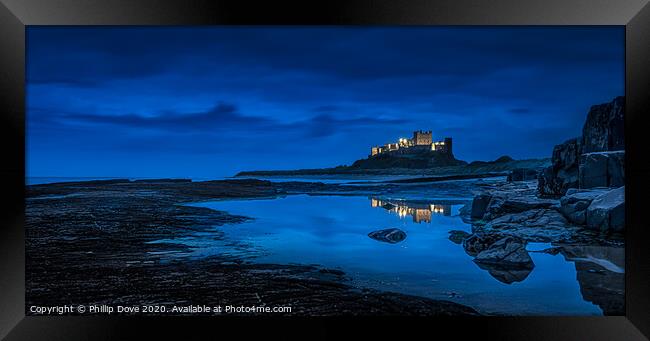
point(392, 235)
point(507, 252)
point(457, 237)
point(602, 169)
point(476, 243)
point(538, 225)
point(574, 204)
point(479, 205)
point(501, 204)
point(522, 174)
point(606, 213)
point(603, 129)
point(556, 179)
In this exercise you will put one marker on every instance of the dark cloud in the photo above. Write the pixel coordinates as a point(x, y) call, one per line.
point(223, 118)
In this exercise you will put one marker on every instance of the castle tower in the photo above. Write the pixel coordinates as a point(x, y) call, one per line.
point(422, 138)
point(448, 145)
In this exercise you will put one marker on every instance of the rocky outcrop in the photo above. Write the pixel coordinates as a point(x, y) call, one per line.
point(556, 179)
point(537, 225)
point(480, 204)
point(575, 203)
point(476, 243)
point(392, 235)
point(503, 203)
point(457, 237)
point(522, 174)
point(507, 252)
point(602, 169)
point(504, 257)
point(606, 213)
point(603, 130)
point(419, 159)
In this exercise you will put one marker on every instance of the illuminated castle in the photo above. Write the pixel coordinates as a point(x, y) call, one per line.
point(421, 141)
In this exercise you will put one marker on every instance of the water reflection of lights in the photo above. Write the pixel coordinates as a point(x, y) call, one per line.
point(420, 212)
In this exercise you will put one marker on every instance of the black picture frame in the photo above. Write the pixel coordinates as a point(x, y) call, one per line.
point(15, 15)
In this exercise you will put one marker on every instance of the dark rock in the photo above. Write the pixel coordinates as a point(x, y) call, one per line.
point(457, 237)
point(606, 213)
point(503, 203)
point(466, 210)
point(538, 225)
point(507, 252)
point(522, 174)
point(479, 205)
point(392, 235)
point(602, 169)
point(603, 129)
point(507, 275)
point(476, 243)
point(574, 204)
point(412, 158)
point(556, 179)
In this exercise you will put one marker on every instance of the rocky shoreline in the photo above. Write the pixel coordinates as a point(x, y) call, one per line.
point(88, 243)
point(577, 205)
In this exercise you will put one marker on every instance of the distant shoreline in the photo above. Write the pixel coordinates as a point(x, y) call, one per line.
point(478, 168)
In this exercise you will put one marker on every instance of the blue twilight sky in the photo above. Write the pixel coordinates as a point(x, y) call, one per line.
point(209, 102)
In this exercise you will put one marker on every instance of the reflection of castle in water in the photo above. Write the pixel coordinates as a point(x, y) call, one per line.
point(421, 212)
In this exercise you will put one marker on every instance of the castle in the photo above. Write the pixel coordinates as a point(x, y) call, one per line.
point(421, 141)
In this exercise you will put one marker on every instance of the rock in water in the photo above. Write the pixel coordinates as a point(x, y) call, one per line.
point(507, 252)
point(606, 213)
point(602, 169)
point(476, 243)
point(603, 130)
point(457, 237)
point(392, 235)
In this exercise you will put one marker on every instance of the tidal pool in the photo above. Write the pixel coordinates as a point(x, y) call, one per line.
point(332, 231)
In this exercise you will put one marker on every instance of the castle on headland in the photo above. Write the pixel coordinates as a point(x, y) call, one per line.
point(421, 141)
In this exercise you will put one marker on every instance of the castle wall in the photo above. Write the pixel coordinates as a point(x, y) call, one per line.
point(422, 141)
